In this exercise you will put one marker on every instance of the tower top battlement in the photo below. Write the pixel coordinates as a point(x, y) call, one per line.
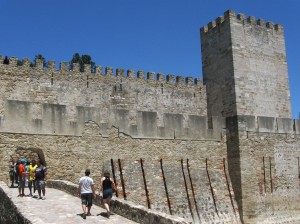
point(250, 20)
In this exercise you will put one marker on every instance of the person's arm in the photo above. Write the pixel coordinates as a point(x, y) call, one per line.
point(113, 185)
point(100, 186)
point(79, 190)
point(45, 173)
point(93, 189)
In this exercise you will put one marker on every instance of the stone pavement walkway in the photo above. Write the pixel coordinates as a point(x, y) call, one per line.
point(60, 208)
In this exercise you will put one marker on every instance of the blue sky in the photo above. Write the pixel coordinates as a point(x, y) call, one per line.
point(157, 35)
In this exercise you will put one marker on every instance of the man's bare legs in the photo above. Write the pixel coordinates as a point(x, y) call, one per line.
point(84, 210)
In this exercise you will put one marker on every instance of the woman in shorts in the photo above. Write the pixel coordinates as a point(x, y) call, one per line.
point(107, 185)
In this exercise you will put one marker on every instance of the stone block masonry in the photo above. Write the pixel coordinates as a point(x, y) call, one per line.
point(244, 67)
point(226, 151)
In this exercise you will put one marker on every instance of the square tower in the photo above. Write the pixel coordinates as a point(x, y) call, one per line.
point(244, 67)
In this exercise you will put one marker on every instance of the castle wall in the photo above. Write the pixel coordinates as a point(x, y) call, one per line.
point(269, 168)
point(153, 133)
point(103, 92)
point(192, 170)
point(245, 68)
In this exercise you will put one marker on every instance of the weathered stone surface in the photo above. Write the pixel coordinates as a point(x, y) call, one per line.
point(213, 153)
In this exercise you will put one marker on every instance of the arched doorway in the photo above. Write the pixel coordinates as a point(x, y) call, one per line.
point(29, 154)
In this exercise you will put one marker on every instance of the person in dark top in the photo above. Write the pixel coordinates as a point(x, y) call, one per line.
point(107, 185)
point(12, 172)
point(40, 175)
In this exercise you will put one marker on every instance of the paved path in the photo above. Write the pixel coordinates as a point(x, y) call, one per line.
point(60, 207)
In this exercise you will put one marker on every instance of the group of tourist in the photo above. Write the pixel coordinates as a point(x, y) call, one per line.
point(33, 173)
point(86, 191)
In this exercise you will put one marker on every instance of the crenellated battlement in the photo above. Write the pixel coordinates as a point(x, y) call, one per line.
point(64, 67)
point(242, 18)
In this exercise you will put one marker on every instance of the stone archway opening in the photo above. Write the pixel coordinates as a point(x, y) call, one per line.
point(29, 154)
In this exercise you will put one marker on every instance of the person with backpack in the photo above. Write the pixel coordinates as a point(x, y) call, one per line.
point(40, 175)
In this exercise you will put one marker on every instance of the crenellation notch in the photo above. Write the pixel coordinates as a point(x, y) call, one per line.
point(270, 25)
point(260, 22)
point(120, 72)
point(160, 77)
point(170, 79)
point(179, 80)
point(64, 66)
point(278, 27)
point(109, 71)
point(251, 20)
point(39, 63)
point(87, 68)
point(189, 81)
point(13, 61)
point(75, 67)
point(150, 75)
point(26, 62)
point(220, 20)
point(140, 75)
point(241, 17)
point(98, 70)
point(130, 73)
point(211, 25)
point(51, 65)
point(198, 81)
point(229, 14)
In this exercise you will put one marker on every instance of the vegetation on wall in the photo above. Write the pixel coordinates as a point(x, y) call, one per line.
point(81, 60)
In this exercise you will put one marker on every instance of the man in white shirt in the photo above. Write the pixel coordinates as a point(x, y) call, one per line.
point(86, 191)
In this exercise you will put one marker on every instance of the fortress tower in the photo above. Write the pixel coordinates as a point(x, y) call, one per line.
point(244, 67)
point(239, 164)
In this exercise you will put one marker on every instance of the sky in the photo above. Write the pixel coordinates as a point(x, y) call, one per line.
point(157, 35)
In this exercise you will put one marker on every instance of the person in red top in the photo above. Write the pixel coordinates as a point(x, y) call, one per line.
point(22, 173)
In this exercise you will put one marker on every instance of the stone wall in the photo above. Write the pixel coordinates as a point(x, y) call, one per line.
point(153, 133)
point(217, 67)
point(244, 67)
point(101, 92)
point(268, 160)
point(19, 119)
point(9, 213)
point(175, 173)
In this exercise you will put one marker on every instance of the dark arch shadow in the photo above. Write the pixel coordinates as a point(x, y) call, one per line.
point(38, 151)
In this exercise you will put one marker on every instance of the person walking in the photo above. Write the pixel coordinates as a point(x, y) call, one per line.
point(86, 191)
point(31, 181)
point(107, 185)
point(12, 172)
point(40, 175)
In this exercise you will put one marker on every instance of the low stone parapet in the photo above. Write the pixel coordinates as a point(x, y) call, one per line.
point(124, 208)
point(9, 213)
